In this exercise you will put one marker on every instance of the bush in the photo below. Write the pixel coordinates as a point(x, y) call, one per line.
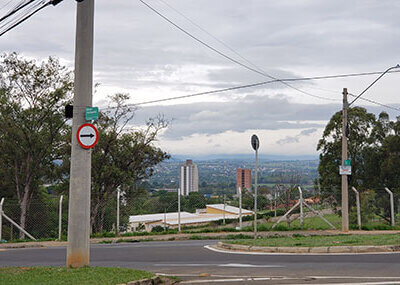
point(157, 229)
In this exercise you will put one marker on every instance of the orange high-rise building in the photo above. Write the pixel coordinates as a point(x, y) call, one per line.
point(243, 179)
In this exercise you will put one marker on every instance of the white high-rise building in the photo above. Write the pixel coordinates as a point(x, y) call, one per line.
point(189, 181)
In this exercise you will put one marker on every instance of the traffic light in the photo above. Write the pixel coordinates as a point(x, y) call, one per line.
point(69, 111)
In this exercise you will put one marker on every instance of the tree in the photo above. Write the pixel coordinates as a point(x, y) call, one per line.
point(123, 156)
point(32, 98)
point(360, 126)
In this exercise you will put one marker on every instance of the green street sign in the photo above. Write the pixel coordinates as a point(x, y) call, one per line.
point(347, 162)
point(91, 113)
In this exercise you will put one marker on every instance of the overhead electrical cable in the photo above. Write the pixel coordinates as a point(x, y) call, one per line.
point(16, 9)
point(230, 58)
point(258, 69)
point(268, 82)
point(211, 35)
point(375, 102)
point(22, 12)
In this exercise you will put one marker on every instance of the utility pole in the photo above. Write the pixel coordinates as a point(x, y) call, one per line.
point(345, 195)
point(80, 172)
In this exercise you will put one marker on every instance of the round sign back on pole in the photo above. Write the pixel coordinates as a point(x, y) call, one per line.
point(255, 143)
point(87, 136)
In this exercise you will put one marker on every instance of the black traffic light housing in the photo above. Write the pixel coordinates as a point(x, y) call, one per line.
point(69, 111)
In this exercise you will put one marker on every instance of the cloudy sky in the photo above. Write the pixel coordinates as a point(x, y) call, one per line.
point(138, 52)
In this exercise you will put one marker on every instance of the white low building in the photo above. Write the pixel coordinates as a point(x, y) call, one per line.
point(212, 213)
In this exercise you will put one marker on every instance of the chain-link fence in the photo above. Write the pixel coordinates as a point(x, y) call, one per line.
point(41, 220)
point(142, 211)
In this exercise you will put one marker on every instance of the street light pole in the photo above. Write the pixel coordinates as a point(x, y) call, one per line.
point(80, 172)
point(345, 195)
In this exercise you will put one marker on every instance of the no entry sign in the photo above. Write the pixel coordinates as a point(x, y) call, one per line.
point(87, 136)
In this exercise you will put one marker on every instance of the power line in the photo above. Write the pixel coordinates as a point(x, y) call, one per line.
point(268, 82)
point(211, 35)
point(16, 9)
point(375, 102)
point(31, 9)
point(369, 86)
point(228, 57)
point(258, 69)
point(260, 84)
point(199, 94)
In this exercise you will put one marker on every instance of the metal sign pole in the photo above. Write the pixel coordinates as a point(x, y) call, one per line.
point(255, 143)
point(240, 208)
point(1, 218)
point(60, 218)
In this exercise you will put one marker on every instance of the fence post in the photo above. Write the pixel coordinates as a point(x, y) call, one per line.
point(60, 219)
point(1, 218)
point(165, 219)
point(179, 210)
point(240, 208)
point(358, 207)
point(118, 198)
point(224, 208)
point(391, 206)
point(301, 207)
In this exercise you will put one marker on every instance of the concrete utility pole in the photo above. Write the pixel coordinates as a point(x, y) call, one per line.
point(345, 195)
point(80, 172)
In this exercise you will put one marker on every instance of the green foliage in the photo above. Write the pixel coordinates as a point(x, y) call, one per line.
point(32, 126)
point(374, 148)
point(62, 275)
point(314, 240)
point(157, 229)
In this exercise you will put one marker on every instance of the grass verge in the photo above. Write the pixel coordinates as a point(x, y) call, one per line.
point(314, 241)
point(60, 275)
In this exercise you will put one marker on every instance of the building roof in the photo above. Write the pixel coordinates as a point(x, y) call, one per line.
point(159, 217)
point(201, 218)
point(229, 209)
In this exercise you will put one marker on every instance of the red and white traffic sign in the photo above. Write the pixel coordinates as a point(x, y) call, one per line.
point(87, 136)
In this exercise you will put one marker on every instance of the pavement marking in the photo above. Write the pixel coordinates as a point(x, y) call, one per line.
point(212, 248)
point(219, 265)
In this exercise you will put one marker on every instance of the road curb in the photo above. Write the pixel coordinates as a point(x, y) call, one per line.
point(322, 249)
point(156, 280)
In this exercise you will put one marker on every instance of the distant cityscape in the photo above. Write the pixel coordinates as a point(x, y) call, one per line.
point(220, 176)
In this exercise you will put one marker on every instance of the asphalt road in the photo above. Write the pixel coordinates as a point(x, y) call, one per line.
point(196, 264)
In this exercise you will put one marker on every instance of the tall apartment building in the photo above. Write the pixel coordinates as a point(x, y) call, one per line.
point(243, 179)
point(189, 175)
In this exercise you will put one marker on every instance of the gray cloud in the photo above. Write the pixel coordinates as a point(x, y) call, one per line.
point(296, 138)
point(136, 50)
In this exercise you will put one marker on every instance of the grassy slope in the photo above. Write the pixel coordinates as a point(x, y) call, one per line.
point(60, 275)
point(337, 240)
